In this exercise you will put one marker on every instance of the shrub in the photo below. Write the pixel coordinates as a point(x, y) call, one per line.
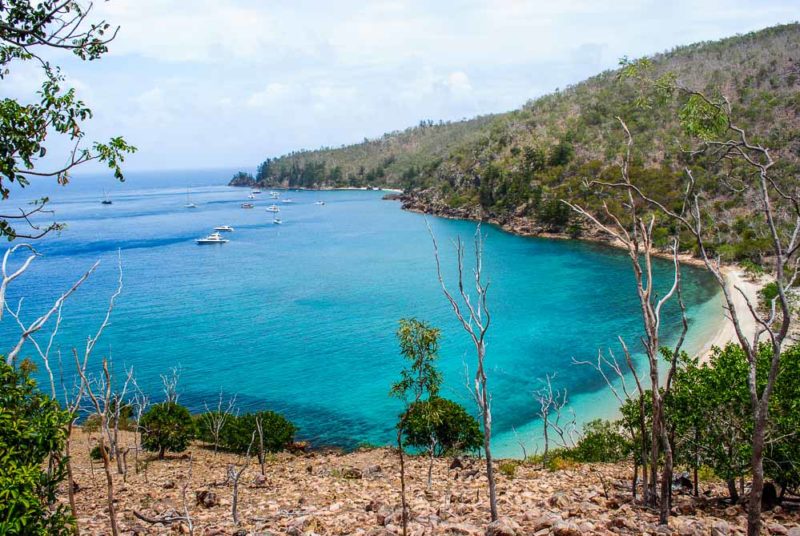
point(453, 429)
point(166, 426)
point(278, 432)
point(508, 467)
point(32, 426)
point(97, 454)
point(601, 442)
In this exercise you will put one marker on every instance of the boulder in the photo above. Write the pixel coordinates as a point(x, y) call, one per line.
point(720, 528)
point(206, 499)
point(502, 527)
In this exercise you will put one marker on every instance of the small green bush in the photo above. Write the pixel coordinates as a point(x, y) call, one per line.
point(453, 429)
point(602, 442)
point(167, 427)
point(508, 467)
point(278, 432)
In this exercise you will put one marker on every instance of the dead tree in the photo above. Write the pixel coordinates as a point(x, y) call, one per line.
point(556, 417)
point(779, 210)
point(473, 314)
point(184, 489)
point(102, 407)
point(234, 476)
point(170, 384)
point(624, 395)
point(215, 421)
point(30, 329)
point(634, 232)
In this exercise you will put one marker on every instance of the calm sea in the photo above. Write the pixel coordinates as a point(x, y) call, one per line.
point(300, 317)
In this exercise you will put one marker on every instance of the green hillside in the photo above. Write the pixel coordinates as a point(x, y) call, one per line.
point(513, 168)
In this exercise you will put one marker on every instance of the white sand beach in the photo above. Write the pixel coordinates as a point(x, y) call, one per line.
point(735, 279)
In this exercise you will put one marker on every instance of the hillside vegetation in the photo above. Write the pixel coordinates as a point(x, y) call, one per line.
point(514, 168)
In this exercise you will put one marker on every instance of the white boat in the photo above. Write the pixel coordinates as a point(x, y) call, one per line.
point(273, 208)
point(251, 196)
point(277, 221)
point(248, 205)
point(287, 200)
point(274, 195)
point(224, 228)
point(213, 238)
point(319, 203)
point(256, 191)
point(106, 200)
point(189, 203)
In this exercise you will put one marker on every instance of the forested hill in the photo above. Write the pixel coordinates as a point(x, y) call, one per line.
point(517, 165)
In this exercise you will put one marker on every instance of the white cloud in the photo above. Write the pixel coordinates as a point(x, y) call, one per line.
point(268, 96)
point(278, 75)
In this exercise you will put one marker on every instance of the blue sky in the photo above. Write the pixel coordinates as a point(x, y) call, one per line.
point(212, 83)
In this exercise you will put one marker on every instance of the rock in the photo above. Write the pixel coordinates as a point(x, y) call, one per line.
point(720, 528)
point(456, 463)
point(502, 527)
point(260, 480)
point(544, 522)
point(563, 528)
point(774, 528)
point(372, 470)
point(378, 531)
point(460, 528)
point(352, 473)
point(169, 484)
point(240, 532)
point(207, 499)
point(559, 500)
point(794, 531)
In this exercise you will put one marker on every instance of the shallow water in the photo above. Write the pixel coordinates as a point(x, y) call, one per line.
point(300, 317)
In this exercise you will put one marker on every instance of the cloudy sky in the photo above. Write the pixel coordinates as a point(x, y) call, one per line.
point(212, 83)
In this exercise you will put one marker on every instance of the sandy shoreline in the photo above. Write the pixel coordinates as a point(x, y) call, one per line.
point(735, 280)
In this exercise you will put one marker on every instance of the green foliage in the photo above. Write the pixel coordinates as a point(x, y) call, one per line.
point(166, 427)
point(419, 344)
point(508, 468)
point(242, 431)
point(602, 441)
point(442, 425)
point(96, 453)
point(32, 428)
point(702, 118)
point(769, 292)
point(28, 30)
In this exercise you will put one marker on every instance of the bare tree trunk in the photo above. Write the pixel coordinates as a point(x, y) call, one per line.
point(475, 320)
point(71, 478)
point(401, 453)
point(757, 468)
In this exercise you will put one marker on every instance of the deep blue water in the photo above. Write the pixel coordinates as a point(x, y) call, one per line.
point(300, 317)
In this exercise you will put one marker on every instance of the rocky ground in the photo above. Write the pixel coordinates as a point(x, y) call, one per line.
point(358, 493)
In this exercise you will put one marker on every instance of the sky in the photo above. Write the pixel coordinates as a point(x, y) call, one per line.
point(221, 83)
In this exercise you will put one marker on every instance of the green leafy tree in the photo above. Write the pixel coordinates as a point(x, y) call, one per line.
point(419, 344)
point(167, 427)
point(32, 428)
point(28, 31)
point(442, 426)
point(277, 432)
point(602, 442)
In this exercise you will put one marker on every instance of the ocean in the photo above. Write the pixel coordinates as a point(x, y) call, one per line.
point(301, 317)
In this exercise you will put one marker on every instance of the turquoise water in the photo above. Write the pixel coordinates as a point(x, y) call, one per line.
point(300, 318)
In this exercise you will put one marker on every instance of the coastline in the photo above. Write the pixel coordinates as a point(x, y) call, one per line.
point(723, 332)
point(735, 281)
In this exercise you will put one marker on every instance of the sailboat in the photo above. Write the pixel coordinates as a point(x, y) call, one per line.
point(106, 200)
point(189, 203)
